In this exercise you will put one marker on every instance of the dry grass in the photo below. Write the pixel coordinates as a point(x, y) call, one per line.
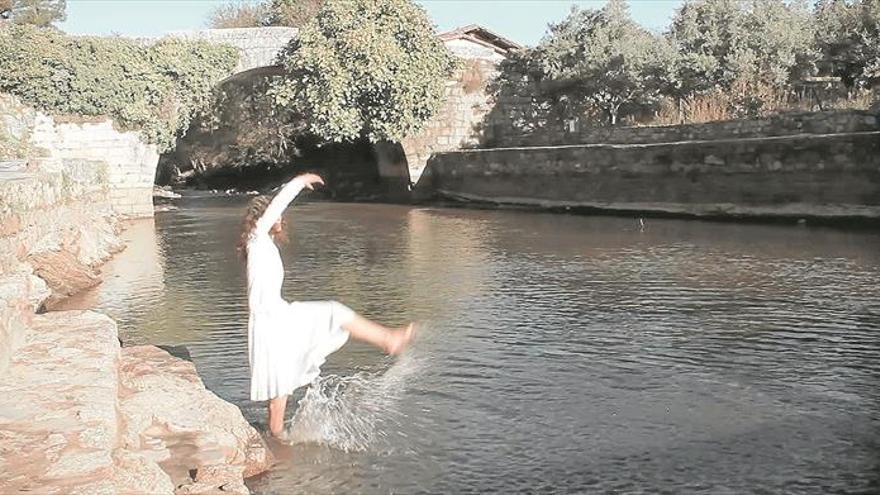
point(861, 100)
point(750, 101)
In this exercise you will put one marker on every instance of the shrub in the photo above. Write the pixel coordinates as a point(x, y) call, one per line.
point(155, 88)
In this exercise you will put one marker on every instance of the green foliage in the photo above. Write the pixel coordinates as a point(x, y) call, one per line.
point(521, 105)
point(371, 68)
point(848, 38)
point(603, 58)
point(240, 14)
point(725, 41)
point(42, 13)
point(237, 15)
point(295, 13)
point(152, 88)
point(245, 128)
point(730, 58)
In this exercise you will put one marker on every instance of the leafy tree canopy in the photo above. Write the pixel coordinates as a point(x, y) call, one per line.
point(605, 58)
point(848, 38)
point(240, 14)
point(723, 41)
point(371, 68)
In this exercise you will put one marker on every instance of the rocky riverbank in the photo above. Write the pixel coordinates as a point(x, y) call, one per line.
point(80, 413)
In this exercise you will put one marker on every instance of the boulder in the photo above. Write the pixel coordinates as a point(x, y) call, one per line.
point(58, 422)
point(64, 273)
point(167, 412)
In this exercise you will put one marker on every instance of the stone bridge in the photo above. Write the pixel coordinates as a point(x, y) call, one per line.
point(257, 47)
point(128, 165)
point(454, 127)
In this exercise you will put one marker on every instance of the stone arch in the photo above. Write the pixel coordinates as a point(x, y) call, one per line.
point(262, 71)
point(393, 167)
point(206, 156)
point(457, 124)
point(358, 169)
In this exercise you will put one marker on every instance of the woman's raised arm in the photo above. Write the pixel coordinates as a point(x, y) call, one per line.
point(279, 203)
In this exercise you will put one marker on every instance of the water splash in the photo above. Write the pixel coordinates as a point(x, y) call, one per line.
point(353, 413)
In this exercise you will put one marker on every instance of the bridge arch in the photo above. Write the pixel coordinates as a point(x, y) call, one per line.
point(400, 165)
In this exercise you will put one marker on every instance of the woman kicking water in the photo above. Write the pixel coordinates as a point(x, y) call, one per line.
point(289, 341)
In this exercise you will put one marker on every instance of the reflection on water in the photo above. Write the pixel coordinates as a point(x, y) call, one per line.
point(561, 353)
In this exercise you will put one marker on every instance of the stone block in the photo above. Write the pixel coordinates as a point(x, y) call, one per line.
point(51, 415)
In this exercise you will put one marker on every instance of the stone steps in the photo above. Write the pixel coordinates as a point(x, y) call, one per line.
point(58, 417)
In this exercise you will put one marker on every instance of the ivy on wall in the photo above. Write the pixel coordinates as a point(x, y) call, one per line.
point(155, 88)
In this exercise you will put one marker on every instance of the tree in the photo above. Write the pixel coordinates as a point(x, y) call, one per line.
point(848, 39)
point(42, 13)
point(237, 15)
point(153, 88)
point(240, 14)
point(364, 68)
point(602, 57)
point(294, 13)
point(725, 41)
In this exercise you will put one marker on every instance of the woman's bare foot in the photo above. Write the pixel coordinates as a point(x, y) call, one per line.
point(398, 340)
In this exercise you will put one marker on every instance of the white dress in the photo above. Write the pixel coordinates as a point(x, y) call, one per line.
point(287, 342)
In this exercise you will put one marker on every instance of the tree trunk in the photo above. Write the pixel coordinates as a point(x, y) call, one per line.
point(612, 114)
point(680, 110)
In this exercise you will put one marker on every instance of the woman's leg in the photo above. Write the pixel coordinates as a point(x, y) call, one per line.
point(391, 341)
point(276, 409)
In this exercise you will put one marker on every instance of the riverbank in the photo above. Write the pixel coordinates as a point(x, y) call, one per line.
point(821, 167)
point(83, 414)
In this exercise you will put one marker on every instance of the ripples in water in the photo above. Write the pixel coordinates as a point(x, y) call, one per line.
point(564, 353)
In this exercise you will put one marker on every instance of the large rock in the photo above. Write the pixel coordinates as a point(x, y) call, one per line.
point(21, 293)
point(78, 418)
point(63, 273)
point(200, 440)
point(58, 421)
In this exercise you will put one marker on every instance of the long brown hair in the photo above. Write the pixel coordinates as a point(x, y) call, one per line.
point(255, 209)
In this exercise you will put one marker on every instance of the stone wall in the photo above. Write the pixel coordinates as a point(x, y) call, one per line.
point(257, 47)
point(805, 175)
point(457, 123)
point(121, 159)
point(57, 226)
point(87, 415)
point(500, 134)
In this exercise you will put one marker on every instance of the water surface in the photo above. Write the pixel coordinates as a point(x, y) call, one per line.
point(560, 353)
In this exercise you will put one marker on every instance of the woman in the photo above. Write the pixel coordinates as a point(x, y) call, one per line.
point(288, 342)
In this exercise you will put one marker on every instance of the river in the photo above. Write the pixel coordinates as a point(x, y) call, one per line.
point(558, 352)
